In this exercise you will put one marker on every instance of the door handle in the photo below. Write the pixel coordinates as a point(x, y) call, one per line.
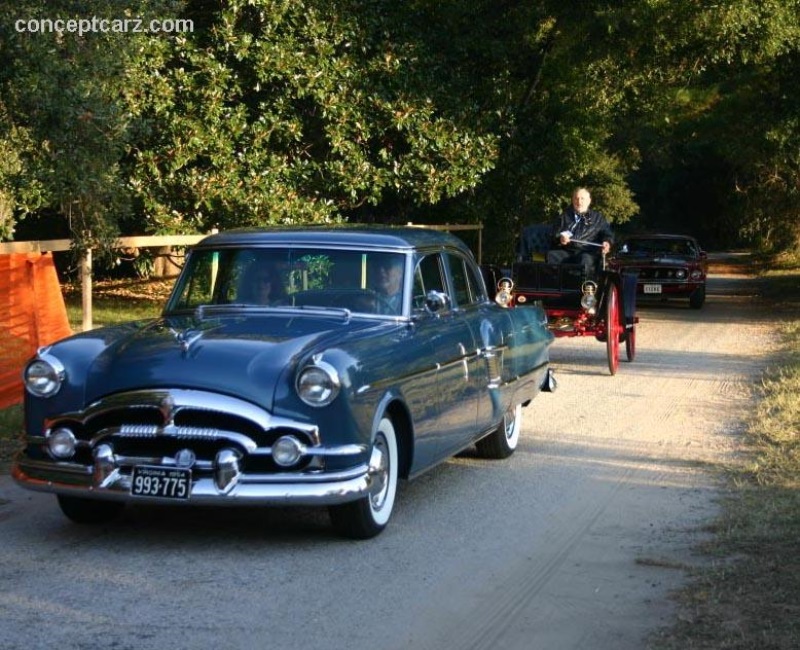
point(463, 351)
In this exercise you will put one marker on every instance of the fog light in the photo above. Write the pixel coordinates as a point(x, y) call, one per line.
point(61, 443)
point(226, 469)
point(287, 450)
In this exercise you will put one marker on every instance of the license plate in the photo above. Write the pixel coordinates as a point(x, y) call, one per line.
point(162, 482)
point(652, 288)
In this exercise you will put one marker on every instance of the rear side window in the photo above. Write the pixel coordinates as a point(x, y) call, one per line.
point(427, 277)
point(467, 287)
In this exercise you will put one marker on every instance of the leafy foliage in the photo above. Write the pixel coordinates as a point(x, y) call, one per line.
point(62, 120)
point(287, 112)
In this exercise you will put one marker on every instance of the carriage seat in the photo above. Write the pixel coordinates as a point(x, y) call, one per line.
point(534, 242)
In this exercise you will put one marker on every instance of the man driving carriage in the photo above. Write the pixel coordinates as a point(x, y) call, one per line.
point(557, 266)
point(580, 234)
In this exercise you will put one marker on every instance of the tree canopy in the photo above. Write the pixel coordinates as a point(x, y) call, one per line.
point(676, 113)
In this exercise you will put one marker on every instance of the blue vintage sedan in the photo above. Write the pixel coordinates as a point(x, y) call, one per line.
point(289, 367)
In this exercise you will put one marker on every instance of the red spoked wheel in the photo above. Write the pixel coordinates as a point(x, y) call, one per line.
point(613, 329)
point(630, 343)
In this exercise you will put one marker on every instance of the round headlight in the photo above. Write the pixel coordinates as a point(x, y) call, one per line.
point(697, 274)
point(589, 303)
point(318, 384)
point(61, 443)
point(44, 375)
point(287, 451)
point(680, 274)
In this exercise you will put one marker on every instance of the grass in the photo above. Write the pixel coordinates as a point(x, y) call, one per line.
point(749, 597)
point(117, 302)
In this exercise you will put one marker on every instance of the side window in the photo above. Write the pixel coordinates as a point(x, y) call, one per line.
point(461, 294)
point(427, 277)
point(476, 286)
point(466, 284)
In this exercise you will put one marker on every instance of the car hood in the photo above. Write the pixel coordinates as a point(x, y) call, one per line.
point(654, 260)
point(242, 355)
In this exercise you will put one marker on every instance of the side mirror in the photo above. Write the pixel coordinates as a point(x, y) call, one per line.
point(436, 301)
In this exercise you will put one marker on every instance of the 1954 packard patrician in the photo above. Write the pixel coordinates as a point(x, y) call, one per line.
point(289, 367)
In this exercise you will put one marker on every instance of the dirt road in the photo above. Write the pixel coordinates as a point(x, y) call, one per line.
point(575, 542)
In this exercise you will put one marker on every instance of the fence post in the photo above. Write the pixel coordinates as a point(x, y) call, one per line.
point(86, 289)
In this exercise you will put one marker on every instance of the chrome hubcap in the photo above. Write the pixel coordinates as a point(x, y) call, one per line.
point(510, 420)
point(379, 469)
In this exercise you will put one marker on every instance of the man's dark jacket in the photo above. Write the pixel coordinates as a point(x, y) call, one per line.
point(590, 226)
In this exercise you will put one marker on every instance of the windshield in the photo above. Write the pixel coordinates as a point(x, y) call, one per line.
point(658, 247)
point(367, 282)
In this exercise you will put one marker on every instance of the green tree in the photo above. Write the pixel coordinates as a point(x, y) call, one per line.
point(296, 111)
point(720, 152)
point(62, 118)
point(481, 111)
point(538, 71)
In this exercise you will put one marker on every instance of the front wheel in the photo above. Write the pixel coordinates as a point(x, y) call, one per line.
point(369, 515)
point(502, 442)
point(89, 511)
point(697, 298)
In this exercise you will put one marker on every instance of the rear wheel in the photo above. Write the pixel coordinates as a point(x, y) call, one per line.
point(612, 329)
point(502, 442)
point(630, 343)
point(369, 515)
point(89, 511)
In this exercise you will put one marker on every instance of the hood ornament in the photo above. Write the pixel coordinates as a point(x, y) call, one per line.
point(167, 408)
point(186, 338)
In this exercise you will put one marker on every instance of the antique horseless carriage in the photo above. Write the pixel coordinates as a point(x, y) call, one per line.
point(603, 306)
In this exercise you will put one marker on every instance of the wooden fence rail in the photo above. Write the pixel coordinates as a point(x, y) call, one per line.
point(159, 241)
point(61, 245)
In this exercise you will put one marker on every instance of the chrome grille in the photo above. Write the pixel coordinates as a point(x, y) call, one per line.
point(162, 422)
point(147, 431)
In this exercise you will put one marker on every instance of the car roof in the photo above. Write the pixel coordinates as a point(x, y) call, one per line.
point(401, 238)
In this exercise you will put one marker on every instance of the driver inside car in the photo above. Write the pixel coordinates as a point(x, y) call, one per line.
point(388, 283)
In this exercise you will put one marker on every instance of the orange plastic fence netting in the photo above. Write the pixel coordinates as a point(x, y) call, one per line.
point(32, 314)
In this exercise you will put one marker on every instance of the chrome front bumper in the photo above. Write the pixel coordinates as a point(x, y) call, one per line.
point(163, 428)
point(275, 489)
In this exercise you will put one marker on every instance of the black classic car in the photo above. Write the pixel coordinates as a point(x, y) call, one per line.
point(667, 266)
point(311, 366)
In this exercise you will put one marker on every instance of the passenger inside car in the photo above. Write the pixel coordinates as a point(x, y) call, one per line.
point(261, 284)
